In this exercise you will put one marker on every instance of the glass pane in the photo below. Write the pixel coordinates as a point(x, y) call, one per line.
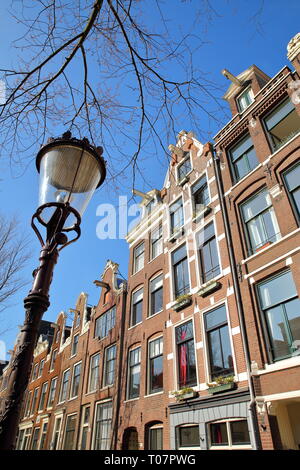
point(241, 147)
point(293, 178)
point(277, 289)
point(216, 362)
point(181, 278)
point(279, 113)
point(184, 332)
point(184, 169)
point(156, 374)
point(226, 350)
point(157, 301)
point(241, 167)
point(239, 432)
point(257, 233)
point(256, 205)
point(296, 197)
point(252, 158)
point(278, 332)
point(216, 317)
point(218, 432)
point(189, 436)
point(179, 254)
point(156, 439)
point(292, 309)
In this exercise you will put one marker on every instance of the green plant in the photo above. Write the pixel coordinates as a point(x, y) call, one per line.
point(179, 394)
point(183, 297)
point(221, 380)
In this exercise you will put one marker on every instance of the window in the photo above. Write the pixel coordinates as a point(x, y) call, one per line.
point(155, 437)
point(94, 373)
point(27, 406)
point(188, 436)
point(43, 436)
point(229, 433)
point(109, 365)
point(280, 305)
point(52, 392)
point(220, 355)
point(105, 323)
point(134, 369)
point(292, 181)
point(200, 195)
point(282, 124)
point(77, 324)
point(138, 258)
point(243, 158)
point(102, 439)
point(260, 221)
point(35, 438)
point(150, 206)
point(245, 99)
point(34, 401)
point(180, 271)
point(176, 216)
point(208, 253)
point(137, 307)
point(156, 295)
point(57, 336)
point(56, 433)
point(34, 372)
point(43, 396)
point(75, 345)
point(41, 367)
point(156, 365)
point(185, 167)
point(75, 380)
point(23, 439)
point(85, 418)
point(156, 242)
point(53, 359)
point(70, 433)
point(184, 337)
point(64, 386)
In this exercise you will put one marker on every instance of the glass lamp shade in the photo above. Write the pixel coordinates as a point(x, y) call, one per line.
point(70, 171)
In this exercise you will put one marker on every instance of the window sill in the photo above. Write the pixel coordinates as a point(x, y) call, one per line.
point(176, 235)
point(131, 399)
point(133, 326)
point(154, 394)
point(154, 314)
point(209, 288)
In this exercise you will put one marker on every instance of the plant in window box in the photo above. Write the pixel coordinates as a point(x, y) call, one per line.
point(178, 232)
point(209, 288)
point(184, 180)
point(182, 301)
point(184, 394)
point(221, 384)
point(201, 210)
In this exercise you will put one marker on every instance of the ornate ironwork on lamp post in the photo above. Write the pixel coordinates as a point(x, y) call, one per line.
point(70, 170)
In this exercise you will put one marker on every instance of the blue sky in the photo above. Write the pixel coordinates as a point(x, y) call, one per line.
point(234, 39)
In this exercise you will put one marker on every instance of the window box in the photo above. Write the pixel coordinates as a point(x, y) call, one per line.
point(182, 302)
point(202, 212)
point(176, 234)
point(184, 180)
point(184, 394)
point(221, 384)
point(209, 288)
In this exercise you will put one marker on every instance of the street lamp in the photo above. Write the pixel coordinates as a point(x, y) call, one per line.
point(70, 170)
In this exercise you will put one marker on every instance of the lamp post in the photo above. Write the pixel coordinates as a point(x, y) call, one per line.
point(70, 170)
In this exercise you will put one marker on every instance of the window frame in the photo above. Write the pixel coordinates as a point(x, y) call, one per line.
point(91, 369)
point(129, 374)
point(153, 291)
point(62, 385)
point(150, 429)
point(109, 420)
point(109, 319)
point(229, 435)
point(178, 437)
point(71, 395)
point(176, 228)
point(72, 415)
point(133, 304)
point(242, 156)
point(267, 335)
point(156, 241)
point(201, 189)
point(135, 268)
point(50, 405)
point(277, 235)
point(240, 95)
point(185, 289)
point(194, 382)
point(74, 349)
point(106, 362)
point(289, 192)
point(43, 394)
point(150, 390)
point(202, 273)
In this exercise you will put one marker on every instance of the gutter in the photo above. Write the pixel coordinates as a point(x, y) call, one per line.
point(238, 297)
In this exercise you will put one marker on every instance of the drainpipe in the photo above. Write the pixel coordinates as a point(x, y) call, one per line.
point(237, 292)
point(120, 370)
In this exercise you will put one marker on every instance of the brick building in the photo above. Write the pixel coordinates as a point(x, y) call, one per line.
point(201, 349)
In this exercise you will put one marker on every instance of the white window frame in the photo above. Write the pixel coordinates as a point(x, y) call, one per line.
point(161, 284)
point(90, 390)
point(140, 288)
point(230, 445)
point(148, 360)
point(135, 268)
point(72, 397)
point(188, 425)
point(241, 95)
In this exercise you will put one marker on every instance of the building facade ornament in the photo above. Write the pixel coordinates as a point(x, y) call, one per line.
point(293, 47)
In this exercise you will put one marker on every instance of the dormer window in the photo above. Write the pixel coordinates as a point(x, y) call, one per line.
point(245, 99)
point(184, 168)
point(150, 206)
